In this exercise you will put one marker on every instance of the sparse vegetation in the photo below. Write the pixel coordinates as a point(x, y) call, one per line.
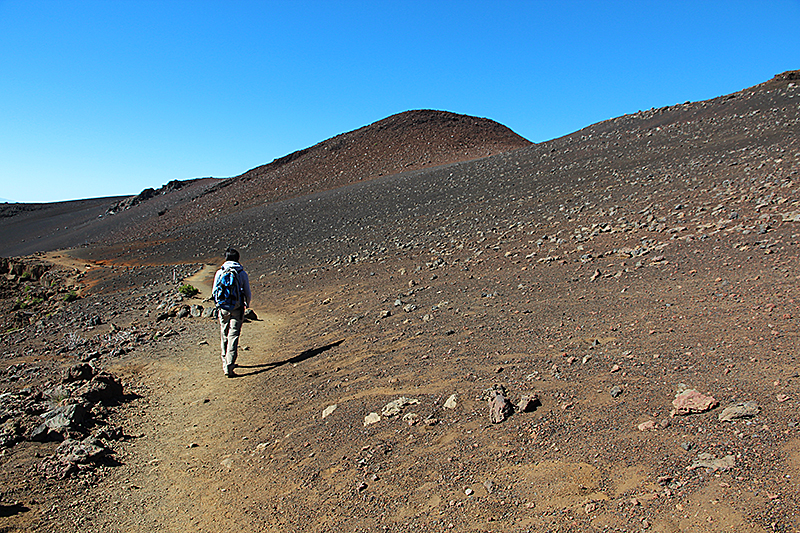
point(28, 302)
point(71, 296)
point(188, 290)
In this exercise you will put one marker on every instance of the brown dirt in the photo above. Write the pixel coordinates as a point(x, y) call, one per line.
point(647, 252)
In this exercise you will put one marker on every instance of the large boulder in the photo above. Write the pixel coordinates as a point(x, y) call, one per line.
point(103, 388)
point(79, 372)
point(59, 421)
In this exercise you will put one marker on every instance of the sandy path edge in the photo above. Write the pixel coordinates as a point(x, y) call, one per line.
point(179, 471)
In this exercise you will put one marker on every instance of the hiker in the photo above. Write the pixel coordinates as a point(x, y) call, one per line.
point(231, 292)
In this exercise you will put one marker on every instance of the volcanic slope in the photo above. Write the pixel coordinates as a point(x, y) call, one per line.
point(406, 141)
point(607, 173)
point(604, 271)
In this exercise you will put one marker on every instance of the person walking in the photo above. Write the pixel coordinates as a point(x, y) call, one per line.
point(231, 293)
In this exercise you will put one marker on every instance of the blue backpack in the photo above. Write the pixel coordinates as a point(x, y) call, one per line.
point(227, 292)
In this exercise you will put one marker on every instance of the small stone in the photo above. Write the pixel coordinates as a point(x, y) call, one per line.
point(615, 368)
point(616, 391)
point(372, 418)
point(451, 401)
point(706, 460)
point(739, 410)
point(468, 491)
point(395, 406)
point(529, 403)
point(328, 410)
point(691, 401)
point(499, 406)
point(645, 426)
point(411, 418)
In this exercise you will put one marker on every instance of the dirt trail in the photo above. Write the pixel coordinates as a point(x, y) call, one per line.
point(178, 472)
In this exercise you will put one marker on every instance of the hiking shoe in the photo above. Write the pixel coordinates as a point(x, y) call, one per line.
point(230, 373)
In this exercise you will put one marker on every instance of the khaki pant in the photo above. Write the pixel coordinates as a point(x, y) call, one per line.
point(230, 325)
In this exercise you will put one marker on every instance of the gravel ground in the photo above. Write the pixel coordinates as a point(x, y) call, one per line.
point(605, 271)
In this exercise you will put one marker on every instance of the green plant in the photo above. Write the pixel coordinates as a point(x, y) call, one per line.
point(71, 296)
point(27, 301)
point(26, 276)
point(188, 290)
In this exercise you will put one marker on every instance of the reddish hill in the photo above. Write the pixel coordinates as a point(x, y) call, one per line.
point(411, 140)
point(408, 141)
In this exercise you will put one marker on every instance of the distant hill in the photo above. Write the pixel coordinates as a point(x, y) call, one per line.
point(658, 156)
point(408, 141)
point(396, 170)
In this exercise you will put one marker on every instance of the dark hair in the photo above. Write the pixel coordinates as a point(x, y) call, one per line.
point(231, 255)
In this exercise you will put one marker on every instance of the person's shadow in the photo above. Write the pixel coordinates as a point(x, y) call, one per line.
point(303, 356)
point(11, 510)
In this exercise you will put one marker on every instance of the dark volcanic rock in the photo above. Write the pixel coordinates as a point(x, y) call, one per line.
point(79, 372)
point(103, 388)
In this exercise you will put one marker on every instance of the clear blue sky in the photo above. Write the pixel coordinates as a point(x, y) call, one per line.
point(108, 97)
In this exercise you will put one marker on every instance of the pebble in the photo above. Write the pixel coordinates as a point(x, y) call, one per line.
point(396, 406)
point(739, 410)
point(690, 401)
point(372, 418)
point(644, 426)
point(451, 402)
point(706, 460)
point(412, 419)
